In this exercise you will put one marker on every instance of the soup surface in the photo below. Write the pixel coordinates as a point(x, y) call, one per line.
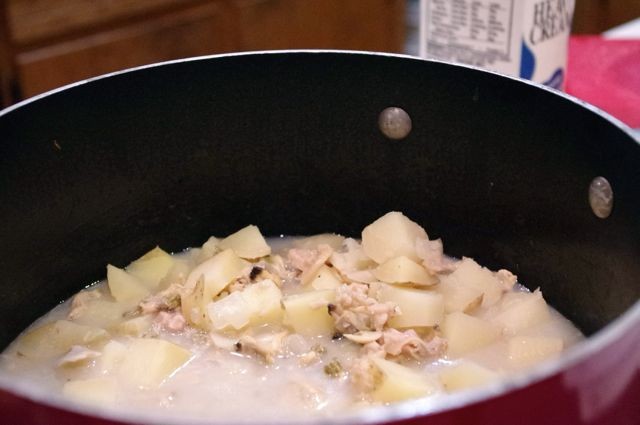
point(292, 329)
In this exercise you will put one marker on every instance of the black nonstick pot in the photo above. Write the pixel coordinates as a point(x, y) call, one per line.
point(104, 170)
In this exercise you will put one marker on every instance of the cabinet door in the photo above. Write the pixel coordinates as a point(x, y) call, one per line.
point(42, 21)
point(596, 16)
point(6, 64)
point(376, 25)
point(78, 39)
point(194, 31)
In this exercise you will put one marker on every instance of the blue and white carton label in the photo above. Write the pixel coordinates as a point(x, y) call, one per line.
point(524, 38)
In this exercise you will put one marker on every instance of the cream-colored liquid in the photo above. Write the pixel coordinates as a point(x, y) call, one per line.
point(224, 385)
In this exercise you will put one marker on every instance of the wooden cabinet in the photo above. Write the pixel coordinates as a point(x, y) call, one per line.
point(7, 81)
point(49, 43)
point(596, 16)
point(345, 24)
point(198, 30)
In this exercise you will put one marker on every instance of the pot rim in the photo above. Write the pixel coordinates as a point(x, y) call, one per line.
point(618, 123)
point(578, 353)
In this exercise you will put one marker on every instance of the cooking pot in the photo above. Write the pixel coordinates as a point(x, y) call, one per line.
point(103, 170)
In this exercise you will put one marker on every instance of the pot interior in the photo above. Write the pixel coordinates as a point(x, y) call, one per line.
point(169, 155)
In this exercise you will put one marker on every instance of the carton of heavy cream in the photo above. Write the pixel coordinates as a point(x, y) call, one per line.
point(524, 38)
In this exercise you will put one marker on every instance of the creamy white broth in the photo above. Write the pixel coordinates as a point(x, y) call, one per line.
point(225, 383)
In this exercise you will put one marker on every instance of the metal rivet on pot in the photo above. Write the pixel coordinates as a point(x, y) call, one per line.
point(601, 197)
point(394, 123)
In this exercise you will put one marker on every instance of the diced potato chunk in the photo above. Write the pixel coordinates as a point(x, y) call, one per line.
point(466, 375)
point(264, 299)
point(522, 310)
point(312, 242)
point(101, 313)
point(256, 304)
point(351, 258)
point(136, 326)
point(528, 350)
point(307, 313)
point(209, 249)
point(97, 391)
point(390, 236)
point(124, 287)
point(465, 333)
point(403, 270)
point(458, 296)
point(193, 306)
point(470, 274)
point(217, 272)
point(208, 280)
point(178, 273)
point(246, 243)
point(417, 307)
point(325, 278)
point(399, 382)
point(149, 362)
point(113, 354)
point(230, 312)
point(151, 267)
point(56, 338)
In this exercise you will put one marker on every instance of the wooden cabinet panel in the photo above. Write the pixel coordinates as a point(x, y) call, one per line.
point(196, 31)
point(34, 21)
point(54, 42)
point(347, 24)
point(596, 16)
point(6, 65)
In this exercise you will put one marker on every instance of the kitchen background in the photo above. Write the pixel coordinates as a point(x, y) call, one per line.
point(47, 43)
